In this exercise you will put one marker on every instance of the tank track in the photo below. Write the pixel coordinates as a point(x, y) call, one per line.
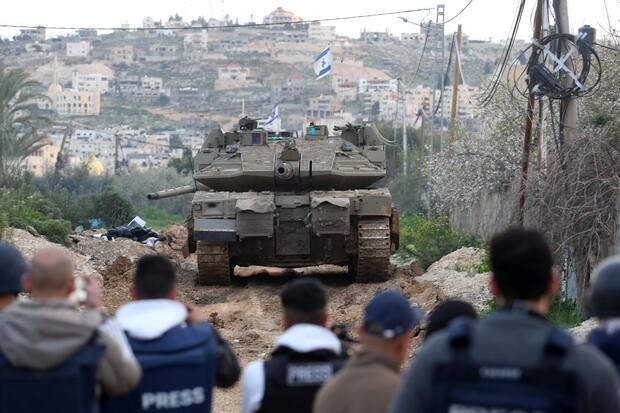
point(373, 250)
point(214, 265)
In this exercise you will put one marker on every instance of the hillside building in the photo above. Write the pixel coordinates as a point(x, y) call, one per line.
point(90, 82)
point(281, 16)
point(78, 49)
point(122, 55)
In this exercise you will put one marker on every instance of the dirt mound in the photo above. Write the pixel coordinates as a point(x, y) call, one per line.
point(29, 244)
point(465, 257)
point(173, 238)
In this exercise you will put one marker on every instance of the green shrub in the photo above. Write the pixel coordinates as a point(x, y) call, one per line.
point(481, 267)
point(110, 206)
point(4, 225)
point(158, 218)
point(562, 312)
point(22, 209)
point(55, 230)
point(427, 239)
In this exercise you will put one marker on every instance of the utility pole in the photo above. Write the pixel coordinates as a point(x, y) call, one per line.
point(405, 144)
point(441, 17)
point(431, 33)
point(528, 123)
point(117, 166)
point(455, 85)
point(568, 124)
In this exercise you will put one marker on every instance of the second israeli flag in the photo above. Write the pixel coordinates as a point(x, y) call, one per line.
point(323, 63)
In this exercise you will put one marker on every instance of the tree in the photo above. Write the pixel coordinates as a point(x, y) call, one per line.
point(163, 100)
point(19, 135)
point(183, 165)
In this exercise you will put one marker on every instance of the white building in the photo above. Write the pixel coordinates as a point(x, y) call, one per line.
point(123, 54)
point(70, 102)
point(148, 23)
point(78, 49)
point(152, 83)
point(377, 85)
point(321, 33)
point(196, 40)
point(233, 72)
point(90, 82)
point(412, 37)
point(281, 16)
point(195, 45)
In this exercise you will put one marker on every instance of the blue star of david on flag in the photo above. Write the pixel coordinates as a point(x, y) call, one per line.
point(323, 63)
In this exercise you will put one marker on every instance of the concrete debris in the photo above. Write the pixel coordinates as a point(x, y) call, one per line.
point(29, 244)
point(463, 258)
point(582, 330)
point(468, 286)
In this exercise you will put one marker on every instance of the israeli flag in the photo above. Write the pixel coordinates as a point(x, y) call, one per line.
point(323, 63)
point(275, 114)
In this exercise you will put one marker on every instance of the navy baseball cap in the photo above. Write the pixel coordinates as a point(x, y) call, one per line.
point(389, 315)
point(12, 268)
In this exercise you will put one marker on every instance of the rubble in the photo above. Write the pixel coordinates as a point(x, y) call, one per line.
point(580, 333)
point(28, 244)
point(468, 286)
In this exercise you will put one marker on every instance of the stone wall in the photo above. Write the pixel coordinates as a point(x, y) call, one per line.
point(489, 214)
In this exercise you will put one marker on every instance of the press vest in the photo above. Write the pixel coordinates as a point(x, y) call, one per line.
point(69, 388)
point(293, 379)
point(178, 373)
point(462, 386)
point(608, 344)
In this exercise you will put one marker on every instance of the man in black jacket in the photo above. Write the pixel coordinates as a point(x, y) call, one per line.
point(307, 354)
point(513, 360)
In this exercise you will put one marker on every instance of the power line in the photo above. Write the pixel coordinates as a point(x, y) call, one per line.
point(207, 27)
point(459, 13)
point(415, 74)
point(492, 87)
point(606, 47)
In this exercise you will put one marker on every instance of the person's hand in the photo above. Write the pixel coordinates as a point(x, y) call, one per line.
point(193, 314)
point(93, 292)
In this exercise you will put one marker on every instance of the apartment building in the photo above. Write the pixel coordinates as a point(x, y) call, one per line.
point(78, 49)
point(90, 82)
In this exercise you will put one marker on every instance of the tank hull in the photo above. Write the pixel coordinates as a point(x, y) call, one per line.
point(357, 228)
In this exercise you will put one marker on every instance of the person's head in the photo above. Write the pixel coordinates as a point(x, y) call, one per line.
point(304, 301)
point(447, 311)
point(388, 323)
point(604, 300)
point(154, 278)
point(50, 274)
point(522, 268)
point(13, 269)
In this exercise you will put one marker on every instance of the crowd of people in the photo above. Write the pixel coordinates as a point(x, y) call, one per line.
point(59, 351)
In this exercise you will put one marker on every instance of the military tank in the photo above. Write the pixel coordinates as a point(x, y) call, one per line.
point(273, 199)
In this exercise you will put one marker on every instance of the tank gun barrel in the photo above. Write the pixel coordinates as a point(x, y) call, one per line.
point(180, 190)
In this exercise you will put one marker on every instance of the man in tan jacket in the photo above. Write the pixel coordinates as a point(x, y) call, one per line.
point(370, 380)
point(44, 332)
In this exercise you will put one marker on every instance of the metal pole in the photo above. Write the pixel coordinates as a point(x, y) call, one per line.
point(568, 125)
point(405, 145)
point(528, 126)
point(455, 86)
point(441, 16)
point(432, 32)
point(116, 161)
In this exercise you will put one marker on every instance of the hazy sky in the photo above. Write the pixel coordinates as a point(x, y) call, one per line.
point(483, 19)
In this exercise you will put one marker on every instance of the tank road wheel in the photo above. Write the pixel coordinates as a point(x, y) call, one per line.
point(214, 264)
point(373, 250)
